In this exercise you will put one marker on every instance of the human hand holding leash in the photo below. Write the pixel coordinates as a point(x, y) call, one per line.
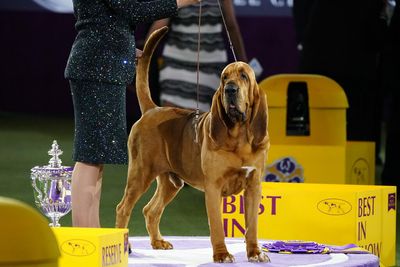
point(139, 53)
point(182, 3)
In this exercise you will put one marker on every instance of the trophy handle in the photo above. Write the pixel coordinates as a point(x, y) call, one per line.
point(39, 193)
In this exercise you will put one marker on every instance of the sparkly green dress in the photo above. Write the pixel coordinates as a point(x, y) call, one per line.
point(100, 65)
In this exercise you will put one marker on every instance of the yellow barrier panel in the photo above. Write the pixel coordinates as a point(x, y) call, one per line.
point(329, 214)
point(92, 247)
point(353, 163)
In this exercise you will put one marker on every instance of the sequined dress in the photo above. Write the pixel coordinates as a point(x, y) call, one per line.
point(178, 75)
point(100, 64)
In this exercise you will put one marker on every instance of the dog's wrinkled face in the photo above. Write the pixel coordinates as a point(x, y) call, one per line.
point(236, 88)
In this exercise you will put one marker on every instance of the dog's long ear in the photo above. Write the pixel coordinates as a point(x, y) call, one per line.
point(259, 117)
point(218, 129)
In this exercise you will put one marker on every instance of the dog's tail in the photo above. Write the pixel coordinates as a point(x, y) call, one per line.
point(142, 70)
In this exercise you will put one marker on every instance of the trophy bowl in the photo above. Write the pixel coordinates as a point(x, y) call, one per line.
point(52, 187)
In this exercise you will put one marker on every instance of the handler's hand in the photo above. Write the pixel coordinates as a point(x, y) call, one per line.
point(139, 53)
point(182, 3)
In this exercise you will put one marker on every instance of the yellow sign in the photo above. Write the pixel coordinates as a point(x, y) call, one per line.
point(97, 247)
point(329, 214)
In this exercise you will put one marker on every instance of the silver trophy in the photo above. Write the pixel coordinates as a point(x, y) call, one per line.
point(52, 186)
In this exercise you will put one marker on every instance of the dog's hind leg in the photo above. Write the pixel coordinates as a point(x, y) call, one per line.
point(138, 182)
point(167, 188)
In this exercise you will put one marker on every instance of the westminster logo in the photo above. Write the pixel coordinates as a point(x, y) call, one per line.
point(284, 170)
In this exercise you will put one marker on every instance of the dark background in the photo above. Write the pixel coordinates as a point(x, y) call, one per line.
point(35, 44)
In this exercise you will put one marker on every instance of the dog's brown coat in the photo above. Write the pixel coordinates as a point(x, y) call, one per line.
point(229, 156)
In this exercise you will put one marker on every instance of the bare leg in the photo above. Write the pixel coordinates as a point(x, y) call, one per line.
point(97, 196)
point(85, 194)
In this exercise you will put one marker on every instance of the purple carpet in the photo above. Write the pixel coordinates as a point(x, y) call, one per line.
point(196, 251)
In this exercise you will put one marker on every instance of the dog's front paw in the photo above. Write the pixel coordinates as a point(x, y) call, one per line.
point(258, 257)
point(224, 258)
point(161, 244)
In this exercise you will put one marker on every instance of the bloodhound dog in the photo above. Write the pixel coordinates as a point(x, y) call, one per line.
point(220, 152)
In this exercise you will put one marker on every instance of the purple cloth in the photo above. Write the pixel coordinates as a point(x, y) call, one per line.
point(310, 248)
point(196, 251)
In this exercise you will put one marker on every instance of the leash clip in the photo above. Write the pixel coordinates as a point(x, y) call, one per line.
point(196, 130)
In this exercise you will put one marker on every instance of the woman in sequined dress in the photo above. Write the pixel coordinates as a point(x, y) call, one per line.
point(100, 65)
point(178, 75)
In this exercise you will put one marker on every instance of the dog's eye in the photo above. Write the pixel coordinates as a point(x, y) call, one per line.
point(224, 77)
point(243, 76)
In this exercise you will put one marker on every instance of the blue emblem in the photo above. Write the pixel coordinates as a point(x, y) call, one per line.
point(284, 170)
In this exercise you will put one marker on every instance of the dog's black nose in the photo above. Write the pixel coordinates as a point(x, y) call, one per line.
point(231, 88)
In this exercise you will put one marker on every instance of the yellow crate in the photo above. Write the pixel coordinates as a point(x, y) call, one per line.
point(97, 247)
point(327, 105)
point(329, 214)
point(324, 154)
